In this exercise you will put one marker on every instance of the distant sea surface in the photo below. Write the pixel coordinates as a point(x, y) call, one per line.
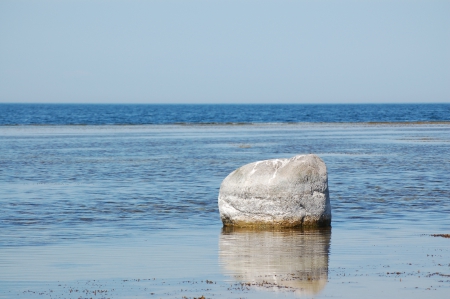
point(102, 114)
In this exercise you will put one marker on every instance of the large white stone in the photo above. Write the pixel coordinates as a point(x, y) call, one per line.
point(280, 192)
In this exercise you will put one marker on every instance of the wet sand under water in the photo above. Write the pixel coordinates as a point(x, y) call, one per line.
point(388, 187)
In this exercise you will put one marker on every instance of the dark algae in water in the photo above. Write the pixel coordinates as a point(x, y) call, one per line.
point(441, 235)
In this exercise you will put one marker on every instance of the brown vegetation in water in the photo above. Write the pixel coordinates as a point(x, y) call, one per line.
point(408, 123)
point(306, 222)
point(441, 235)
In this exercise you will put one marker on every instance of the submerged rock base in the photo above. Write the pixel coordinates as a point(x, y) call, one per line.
point(307, 223)
point(277, 193)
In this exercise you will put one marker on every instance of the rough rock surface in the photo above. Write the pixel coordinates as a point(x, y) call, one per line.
point(280, 192)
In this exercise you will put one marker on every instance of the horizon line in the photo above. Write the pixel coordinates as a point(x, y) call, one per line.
point(139, 103)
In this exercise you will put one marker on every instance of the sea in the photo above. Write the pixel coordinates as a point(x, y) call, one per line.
point(120, 201)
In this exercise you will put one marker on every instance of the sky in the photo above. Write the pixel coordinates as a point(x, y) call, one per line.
point(224, 51)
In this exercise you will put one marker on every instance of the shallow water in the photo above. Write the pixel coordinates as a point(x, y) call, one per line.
point(135, 209)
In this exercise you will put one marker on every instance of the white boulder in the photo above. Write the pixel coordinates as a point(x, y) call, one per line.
point(280, 192)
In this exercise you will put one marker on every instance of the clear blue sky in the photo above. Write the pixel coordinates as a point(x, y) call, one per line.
point(224, 51)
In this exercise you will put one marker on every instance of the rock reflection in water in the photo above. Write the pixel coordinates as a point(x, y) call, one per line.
point(275, 259)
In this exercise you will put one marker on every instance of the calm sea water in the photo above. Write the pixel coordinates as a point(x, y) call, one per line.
point(64, 114)
point(130, 211)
